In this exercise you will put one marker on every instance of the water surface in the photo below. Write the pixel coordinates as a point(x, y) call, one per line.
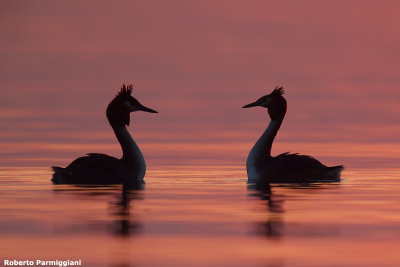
point(202, 216)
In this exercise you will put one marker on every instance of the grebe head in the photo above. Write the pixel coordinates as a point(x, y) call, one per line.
point(274, 102)
point(119, 109)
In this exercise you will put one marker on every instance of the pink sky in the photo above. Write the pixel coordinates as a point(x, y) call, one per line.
point(197, 63)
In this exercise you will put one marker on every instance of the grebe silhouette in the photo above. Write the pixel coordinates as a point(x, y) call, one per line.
point(103, 169)
point(286, 167)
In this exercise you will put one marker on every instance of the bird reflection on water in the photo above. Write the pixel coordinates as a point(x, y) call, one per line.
point(273, 199)
point(123, 221)
point(274, 225)
point(124, 225)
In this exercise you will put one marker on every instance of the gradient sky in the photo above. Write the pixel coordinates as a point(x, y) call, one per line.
point(197, 63)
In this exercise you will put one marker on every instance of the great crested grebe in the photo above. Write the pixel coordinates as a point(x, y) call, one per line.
point(103, 169)
point(286, 167)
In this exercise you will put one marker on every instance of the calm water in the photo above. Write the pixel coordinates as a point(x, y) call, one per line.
point(199, 216)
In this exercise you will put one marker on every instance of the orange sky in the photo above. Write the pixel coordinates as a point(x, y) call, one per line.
point(197, 63)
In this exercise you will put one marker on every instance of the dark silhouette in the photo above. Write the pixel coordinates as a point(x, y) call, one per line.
point(286, 167)
point(103, 169)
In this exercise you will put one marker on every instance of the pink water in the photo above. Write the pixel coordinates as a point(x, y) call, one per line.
point(202, 216)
